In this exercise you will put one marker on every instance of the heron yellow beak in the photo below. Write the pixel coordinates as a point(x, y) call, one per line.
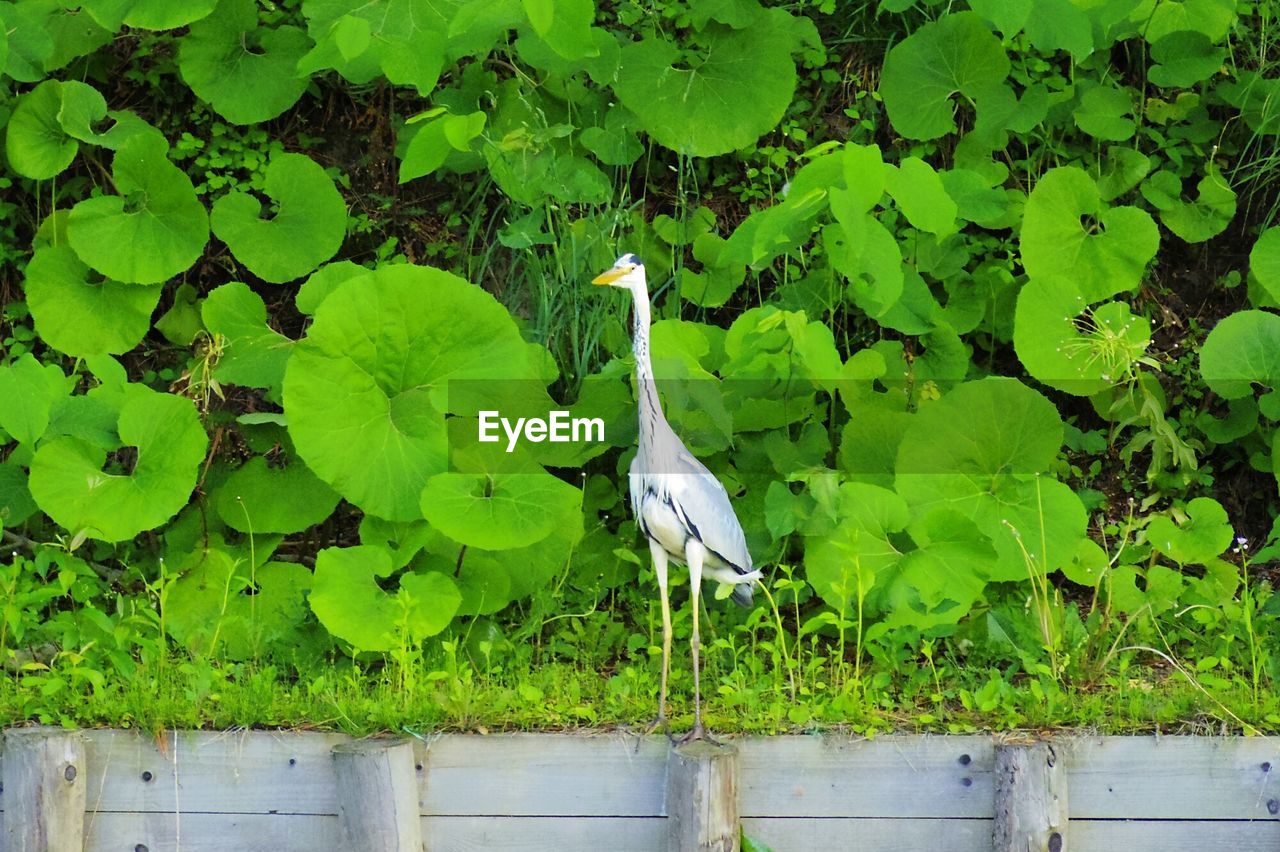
point(610, 276)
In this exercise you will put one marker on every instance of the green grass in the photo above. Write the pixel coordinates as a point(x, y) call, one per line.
point(449, 694)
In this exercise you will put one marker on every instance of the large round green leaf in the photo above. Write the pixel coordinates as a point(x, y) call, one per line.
point(982, 450)
point(255, 354)
point(223, 605)
point(264, 497)
point(1073, 347)
point(723, 97)
point(307, 230)
point(956, 54)
point(1105, 255)
point(1264, 262)
point(349, 603)
point(81, 316)
point(402, 39)
point(366, 390)
point(499, 511)
point(1242, 350)
point(154, 229)
point(842, 566)
point(84, 109)
point(1194, 221)
point(16, 504)
point(147, 14)
point(36, 143)
point(246, 72)
point(28, 392)
point(1202, 533)
point(68, 481)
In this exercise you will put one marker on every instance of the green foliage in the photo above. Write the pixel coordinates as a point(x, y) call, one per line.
point(369, 417)
point(155, 229)
point(977, 414)
point(307, 227)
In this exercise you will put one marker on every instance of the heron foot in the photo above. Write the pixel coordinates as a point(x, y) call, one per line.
point(660, 722)
point(698, 734)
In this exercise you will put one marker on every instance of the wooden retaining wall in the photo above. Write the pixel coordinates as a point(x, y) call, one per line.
point(201, 792)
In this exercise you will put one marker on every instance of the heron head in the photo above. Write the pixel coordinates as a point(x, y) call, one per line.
point(626, 271)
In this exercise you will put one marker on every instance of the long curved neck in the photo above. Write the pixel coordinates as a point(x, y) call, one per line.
point(651, 418)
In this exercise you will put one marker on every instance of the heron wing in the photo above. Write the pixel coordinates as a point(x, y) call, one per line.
point(705, 508)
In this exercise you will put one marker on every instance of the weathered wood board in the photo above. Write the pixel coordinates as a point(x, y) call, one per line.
point(268, 790)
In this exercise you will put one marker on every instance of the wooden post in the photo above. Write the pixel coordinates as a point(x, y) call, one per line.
point(44, 790)
point(1031, 799)
point(702, 798)
point(378, 795)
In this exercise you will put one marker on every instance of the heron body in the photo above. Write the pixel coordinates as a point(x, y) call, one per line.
point(679, 505)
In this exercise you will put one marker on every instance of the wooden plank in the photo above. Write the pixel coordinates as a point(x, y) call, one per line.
point(44, 784)
point(1031, 799)
point(1174, 836)
point(544, 775)
point(837, 776)
point(378, 795)
point(212, 772)
point(538, 834)
point(702, 798)
point(153, 832)
point(809, 834)
point(1172, 777)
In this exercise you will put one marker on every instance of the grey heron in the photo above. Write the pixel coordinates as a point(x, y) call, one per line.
point(679, 505)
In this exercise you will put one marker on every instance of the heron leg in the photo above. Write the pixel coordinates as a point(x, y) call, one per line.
point(694, 553)
point(660, 559)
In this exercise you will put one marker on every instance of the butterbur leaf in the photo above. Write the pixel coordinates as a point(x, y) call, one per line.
point(1073, 347)
point(565, 25)
point(1124, 169)
point(1067, 227)
point(28, 392)
point(1264, 262)
point(263, 496)
point(164, 14)
point(954, 55)
point(1060, 25)
point(322, 282)
point(406, 40)
point(255, 354)
point(247, 73)
point(366, 390)
point(499, 511)
point(37, 145)
point(733, 91)
point(69, 483)
point(843, 566)
point(1104, 113)
point(16, 505)
point(307, 230)
point(81, 314)
point(981, 450)
point(84, 109)
point(1194, 221)
point(939, 582)
point(154, 229)
point(1184, 59)
point(1241, 350)
point(349, 603)
point(223, 605)
point(1161, 18)
point(29, 42)
point(1198, 537)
